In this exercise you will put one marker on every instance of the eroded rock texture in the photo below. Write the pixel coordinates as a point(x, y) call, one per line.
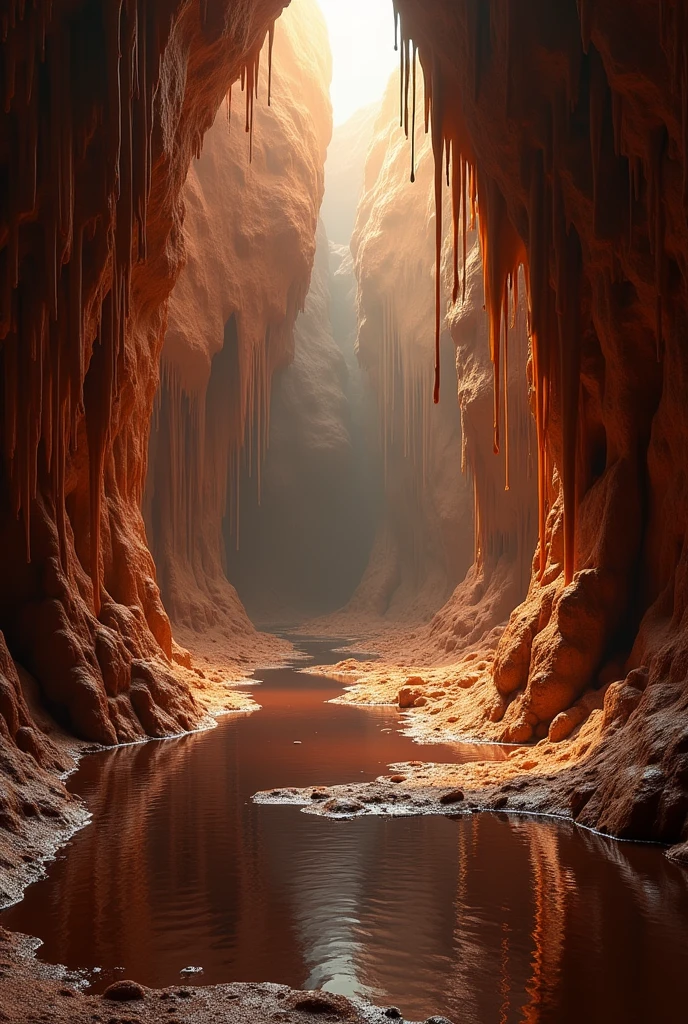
point(504, 484)
point(249, 240)
point(567, 123)
point(103, 106)
point(424, 541)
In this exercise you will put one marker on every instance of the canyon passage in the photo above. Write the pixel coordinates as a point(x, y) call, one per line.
point(343, 510)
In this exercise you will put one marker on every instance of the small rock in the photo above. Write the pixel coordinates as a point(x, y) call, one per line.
point(408, 695)
point(397, 778)
point(394, 1012)
point(317, 1003)
point(454, 796)
point(438, 1020)
point(124, 992)
point(297, 743)
point(342, 806)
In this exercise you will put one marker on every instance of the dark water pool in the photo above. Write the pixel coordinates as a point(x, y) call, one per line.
point(484, 919)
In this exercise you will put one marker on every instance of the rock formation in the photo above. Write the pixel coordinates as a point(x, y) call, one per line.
point(492, 512)
point(249, 237)
point(424, 541)
point(567, 126)
point(104, 105)
point(302, 550)
point(504, 484)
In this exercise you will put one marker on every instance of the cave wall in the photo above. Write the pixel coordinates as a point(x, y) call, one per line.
point(103, 107)
point(567, 124)
point(249, 237)
point(424, 542)
point(504, 483)
point(303, 548)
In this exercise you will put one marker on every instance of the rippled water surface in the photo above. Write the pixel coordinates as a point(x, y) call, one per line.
point(483, 919)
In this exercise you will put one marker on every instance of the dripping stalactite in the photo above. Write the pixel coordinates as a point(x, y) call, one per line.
point(97, 136)
point(559, 140)
point(252, 208)
point(577, 167)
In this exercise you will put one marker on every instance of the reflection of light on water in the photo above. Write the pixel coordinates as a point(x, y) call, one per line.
point(487, 919)
point(325, 891)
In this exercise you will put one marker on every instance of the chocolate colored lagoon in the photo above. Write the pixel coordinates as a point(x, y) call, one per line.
point(486, 919)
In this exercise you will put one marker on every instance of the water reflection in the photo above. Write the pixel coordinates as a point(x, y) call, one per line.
point(484, 919)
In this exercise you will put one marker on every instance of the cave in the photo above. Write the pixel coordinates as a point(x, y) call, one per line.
point(343, 510)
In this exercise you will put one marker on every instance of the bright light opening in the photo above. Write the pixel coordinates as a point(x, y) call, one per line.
point(363, 57)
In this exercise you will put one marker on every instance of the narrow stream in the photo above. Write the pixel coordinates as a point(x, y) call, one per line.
point(483, 918)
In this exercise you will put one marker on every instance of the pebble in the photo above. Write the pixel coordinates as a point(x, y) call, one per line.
point(454, 796)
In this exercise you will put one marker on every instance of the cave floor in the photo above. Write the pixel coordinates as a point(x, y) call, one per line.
point(196, 884)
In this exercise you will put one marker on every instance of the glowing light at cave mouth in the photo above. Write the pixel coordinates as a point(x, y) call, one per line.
point(363, 57)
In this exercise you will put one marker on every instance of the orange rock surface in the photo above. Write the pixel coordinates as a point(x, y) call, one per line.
point(424, 541)
point(103, 108)
point(566, 129)
point(249, 245)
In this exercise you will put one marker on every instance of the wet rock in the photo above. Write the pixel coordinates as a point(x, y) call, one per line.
point(579, 798)
point(319, 794)
point(317, 1002)
point(341, 805)
point(394, 1012)
point(124, 992)
point(454, 796)
point(679, 854)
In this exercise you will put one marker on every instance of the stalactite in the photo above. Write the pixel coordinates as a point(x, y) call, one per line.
point(249, 79)
point(554, 307)
point(271, 43)
point(438, 142)
point(413, 115)
point(56, 101)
